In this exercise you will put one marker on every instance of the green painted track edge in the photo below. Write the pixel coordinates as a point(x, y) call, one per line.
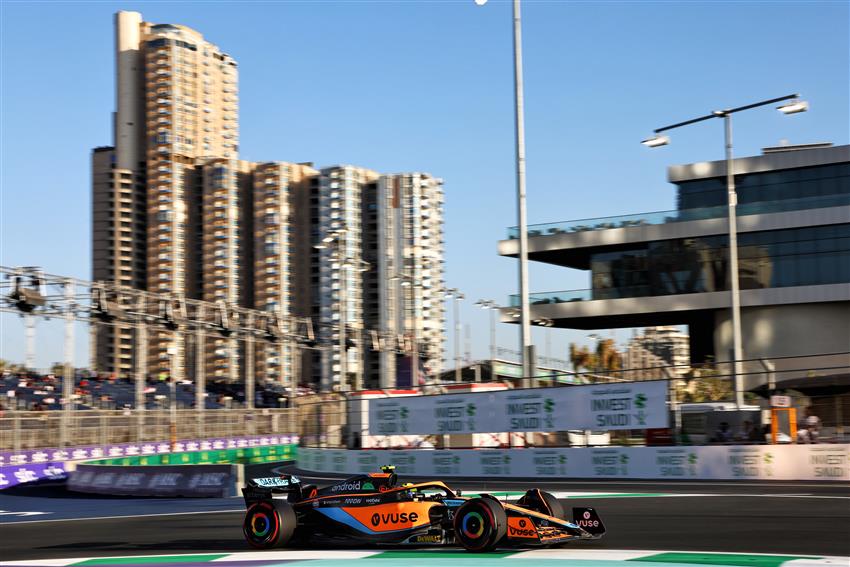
point(736, 559)
point(152, 560)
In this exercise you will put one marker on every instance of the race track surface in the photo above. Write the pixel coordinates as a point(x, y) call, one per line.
point(775, 518)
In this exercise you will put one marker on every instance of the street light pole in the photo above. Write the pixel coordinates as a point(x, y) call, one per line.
point(456, 297)
point(525, 317)
point(343, 314)
point(68, 367)
point(490, 306)
point(527, 353)
point(172, 355)
point(732, 201)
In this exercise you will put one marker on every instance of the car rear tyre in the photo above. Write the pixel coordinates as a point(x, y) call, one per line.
point(269, 524)
point(480, 524)
point(543, 502)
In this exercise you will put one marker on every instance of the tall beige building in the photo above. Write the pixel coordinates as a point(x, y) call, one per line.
point(356, 253)
point(408, 240)
point(276, 186)
point(176, 109)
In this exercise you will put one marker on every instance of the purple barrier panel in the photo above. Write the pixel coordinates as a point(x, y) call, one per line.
point(13, 475)
point(36, 463)
point(156, 480)
point(147, 448)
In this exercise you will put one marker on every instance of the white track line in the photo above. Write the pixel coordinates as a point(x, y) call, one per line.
point(557, 494)
point(354, 554)
point(7, 524)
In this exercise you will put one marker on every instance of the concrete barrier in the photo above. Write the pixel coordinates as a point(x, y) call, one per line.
point(218, 473)
point(732, 462)
point(169, 480)
point(54, 463)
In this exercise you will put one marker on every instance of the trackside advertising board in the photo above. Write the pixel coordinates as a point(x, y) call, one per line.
point(750, 462)
point(632, 405)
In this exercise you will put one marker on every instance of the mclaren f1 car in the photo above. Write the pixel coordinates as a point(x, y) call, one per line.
point(376, 509)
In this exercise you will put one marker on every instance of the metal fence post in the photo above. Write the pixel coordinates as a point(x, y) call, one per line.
point(68, 367)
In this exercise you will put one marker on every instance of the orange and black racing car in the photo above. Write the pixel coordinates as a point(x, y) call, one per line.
point(376, 509)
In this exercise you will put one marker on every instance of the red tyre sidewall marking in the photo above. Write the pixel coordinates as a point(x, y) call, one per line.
point(492, 520)
point(273, 516)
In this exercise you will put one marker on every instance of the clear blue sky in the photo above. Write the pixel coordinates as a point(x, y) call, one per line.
point(406, 85)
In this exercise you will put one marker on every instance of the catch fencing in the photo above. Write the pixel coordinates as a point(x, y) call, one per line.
point(699, 400)
point(38, 429)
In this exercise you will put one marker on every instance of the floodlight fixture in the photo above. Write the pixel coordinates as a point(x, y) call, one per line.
point(656, 141)
point(793, 107)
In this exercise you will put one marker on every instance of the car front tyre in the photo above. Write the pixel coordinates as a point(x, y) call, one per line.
point(480, 524)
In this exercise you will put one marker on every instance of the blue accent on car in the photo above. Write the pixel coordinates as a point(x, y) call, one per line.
point(343, 517)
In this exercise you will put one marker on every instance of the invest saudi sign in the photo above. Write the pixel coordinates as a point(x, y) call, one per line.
point(637, 405)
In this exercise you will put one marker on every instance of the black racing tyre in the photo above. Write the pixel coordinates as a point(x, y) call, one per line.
point(480, 524)
point(543, 502)
point(269, 523)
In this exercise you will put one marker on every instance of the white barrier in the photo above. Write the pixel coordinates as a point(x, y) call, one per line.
point(759, 462)
point(631, 405)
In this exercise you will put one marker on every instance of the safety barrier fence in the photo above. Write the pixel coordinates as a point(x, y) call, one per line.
point(30, 430)
point(217, 473)
point(755, 462)
point(53, 463)
point(817, 385)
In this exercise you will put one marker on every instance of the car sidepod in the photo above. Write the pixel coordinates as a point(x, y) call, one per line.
point(375, 519)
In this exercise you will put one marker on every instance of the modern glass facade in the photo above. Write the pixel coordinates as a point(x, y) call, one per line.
point(781, 185)
point(780, 258)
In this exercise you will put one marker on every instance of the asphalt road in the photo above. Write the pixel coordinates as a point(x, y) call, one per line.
point(777, 518)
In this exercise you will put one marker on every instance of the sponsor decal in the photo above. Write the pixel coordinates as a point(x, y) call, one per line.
point(521, 527)
point(495, 463)
point(676, 463)
point(828, 463)
point(549, 463)
point(271, 482)
point(353, 501)
point(390, 417)
point(749, 462)
point(390, 517)
point(445, 463)
point(530, 412)
point(393, 518)
point(586, 521)
point(342, 487)
point(427, 539)
point(609, 462)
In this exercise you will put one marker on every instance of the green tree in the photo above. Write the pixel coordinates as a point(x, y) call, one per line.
point(608, 358)
point(582, 358)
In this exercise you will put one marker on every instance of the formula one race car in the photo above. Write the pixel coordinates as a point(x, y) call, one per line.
point(375, 509)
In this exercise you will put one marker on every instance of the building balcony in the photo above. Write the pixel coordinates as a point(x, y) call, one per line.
point(676, 216)
point(596, 309)
point(568, 246)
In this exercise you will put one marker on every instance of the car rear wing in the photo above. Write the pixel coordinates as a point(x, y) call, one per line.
point(264, 488)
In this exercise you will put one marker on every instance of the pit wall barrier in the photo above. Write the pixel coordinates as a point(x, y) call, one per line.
point(197, 474)
point(17, 467)
point(751, 462)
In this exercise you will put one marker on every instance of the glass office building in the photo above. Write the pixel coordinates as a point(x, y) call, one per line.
point(672, 267)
